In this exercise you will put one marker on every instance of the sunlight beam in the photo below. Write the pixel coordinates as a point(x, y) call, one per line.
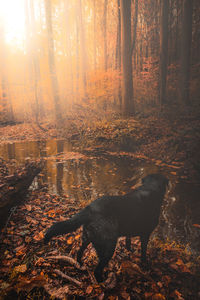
point(12, 17)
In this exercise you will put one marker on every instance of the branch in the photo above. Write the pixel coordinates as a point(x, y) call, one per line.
point(58, 272)
point(67, 259)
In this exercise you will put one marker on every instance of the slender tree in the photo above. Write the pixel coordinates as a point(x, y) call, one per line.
point(68, 48)
point(33, 59)
point(186, 40)
point(135, 25)
point(105, 33)
point(127, 80)
point(163, 50)
point(6, 108)
point(77, 56)
point(118, 39)
point(52, 64)
point(83, 54)
point(94, 37)
point(118, 96)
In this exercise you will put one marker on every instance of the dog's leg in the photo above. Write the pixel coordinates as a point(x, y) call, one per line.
point(105, 250)
point(85, 243)
point(144, 241)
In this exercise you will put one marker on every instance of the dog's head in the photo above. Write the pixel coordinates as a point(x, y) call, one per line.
point(156, 181)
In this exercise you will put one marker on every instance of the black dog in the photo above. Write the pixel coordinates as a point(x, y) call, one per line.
point(109, 217)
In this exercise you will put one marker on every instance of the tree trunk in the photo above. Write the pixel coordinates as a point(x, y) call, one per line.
point(135, 26)
point(186, 40)
point(6, 108)
point(118, 39)
point(83, 55)
point(36, 65)
point(118, 96)
point(163, 51)
point(127, 80)
point(52, 64)
point(94, 27)
point(77, 60)
point(68, 49)
point(105, 34)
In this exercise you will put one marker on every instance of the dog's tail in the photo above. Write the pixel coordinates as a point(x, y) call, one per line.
point(70, 225)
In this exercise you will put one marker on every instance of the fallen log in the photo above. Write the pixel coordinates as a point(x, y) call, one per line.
point(13, 188)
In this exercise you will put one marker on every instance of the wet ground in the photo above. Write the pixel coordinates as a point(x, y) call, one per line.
point(84, 178)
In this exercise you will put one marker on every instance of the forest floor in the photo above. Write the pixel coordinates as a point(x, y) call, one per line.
point(28, 272)
point(171, 137)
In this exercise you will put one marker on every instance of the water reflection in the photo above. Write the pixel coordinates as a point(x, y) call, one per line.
point(85, 178)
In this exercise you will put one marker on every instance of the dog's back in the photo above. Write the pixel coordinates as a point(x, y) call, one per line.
point(109, 217)
point(136, 211)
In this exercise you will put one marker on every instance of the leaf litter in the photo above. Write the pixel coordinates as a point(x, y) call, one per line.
point(30, 268)
point(26, 271)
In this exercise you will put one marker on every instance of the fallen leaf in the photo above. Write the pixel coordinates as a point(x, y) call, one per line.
point(177, 295)
point(39, 236)
point(27, 284)
point(70, 240)
point(158, 296)
point(196, 225)
point(89, 289)
point(28, 207)
point(20, 269)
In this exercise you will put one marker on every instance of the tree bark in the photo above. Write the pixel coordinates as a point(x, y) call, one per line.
point(6, 111)
point(105, 34)
point(135, 26)
point(118, 96)
point(52, 64)
point(94, 28)
point(163, 51)
point(83, 55)
point(118, 39)
point(186, 40)
point(127, 80)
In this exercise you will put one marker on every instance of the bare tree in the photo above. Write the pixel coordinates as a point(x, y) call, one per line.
point(127, 80)
point(186, 40)
point(83, 55)
point(118, 96)
point(135, 25)
point(6, 108)
point(94, 30)
point(105, 33)
point(34, 65)
point(52, 64)
point(163, 50)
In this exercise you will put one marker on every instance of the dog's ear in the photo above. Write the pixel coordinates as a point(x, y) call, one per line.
point(155, 178)
point(146, 179)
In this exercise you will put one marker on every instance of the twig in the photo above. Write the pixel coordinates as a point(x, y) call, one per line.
point(68, 277)
point(67, 259)
point(92, 278)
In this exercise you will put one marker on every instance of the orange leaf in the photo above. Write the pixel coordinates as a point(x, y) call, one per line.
point(158, 296)
point(20, 268)
point(196, 225)
point(77, 237)
point(39, 236)
point(89, 289)
point(28, 207)
point(70, 240)
point(179, 262)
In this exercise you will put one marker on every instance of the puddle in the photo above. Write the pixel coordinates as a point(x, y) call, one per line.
point(86, 178)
